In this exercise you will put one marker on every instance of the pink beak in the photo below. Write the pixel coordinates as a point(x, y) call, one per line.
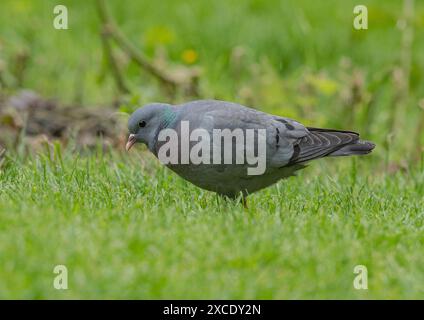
point(131, 141)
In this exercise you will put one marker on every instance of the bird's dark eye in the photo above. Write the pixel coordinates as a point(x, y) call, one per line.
point(142, 124)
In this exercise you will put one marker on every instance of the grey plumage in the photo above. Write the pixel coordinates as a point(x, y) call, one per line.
point(289, 144)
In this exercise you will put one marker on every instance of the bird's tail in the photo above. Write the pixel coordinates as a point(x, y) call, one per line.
point(359, 148)
point(321, 143)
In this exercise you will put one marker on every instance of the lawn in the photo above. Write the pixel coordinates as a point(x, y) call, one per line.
point(126, 227)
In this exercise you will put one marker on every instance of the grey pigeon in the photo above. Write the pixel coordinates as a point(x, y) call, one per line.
point(289, 144)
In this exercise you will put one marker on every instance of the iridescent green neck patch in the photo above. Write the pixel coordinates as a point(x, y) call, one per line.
point(168, 117)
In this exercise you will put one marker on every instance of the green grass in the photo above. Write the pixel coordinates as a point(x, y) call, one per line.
point(127, 228)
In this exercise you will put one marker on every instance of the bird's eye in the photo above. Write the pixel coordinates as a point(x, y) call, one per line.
point(142, 124)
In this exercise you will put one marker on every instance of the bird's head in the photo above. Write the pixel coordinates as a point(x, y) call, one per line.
point(144, 123)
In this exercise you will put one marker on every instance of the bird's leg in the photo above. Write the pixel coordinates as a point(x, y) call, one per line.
point(244, 201)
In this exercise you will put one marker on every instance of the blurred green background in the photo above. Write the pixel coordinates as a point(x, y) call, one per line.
point(300, 59)
point(128, 228)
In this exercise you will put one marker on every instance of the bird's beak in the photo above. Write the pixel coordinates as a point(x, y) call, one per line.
point(131, 141)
